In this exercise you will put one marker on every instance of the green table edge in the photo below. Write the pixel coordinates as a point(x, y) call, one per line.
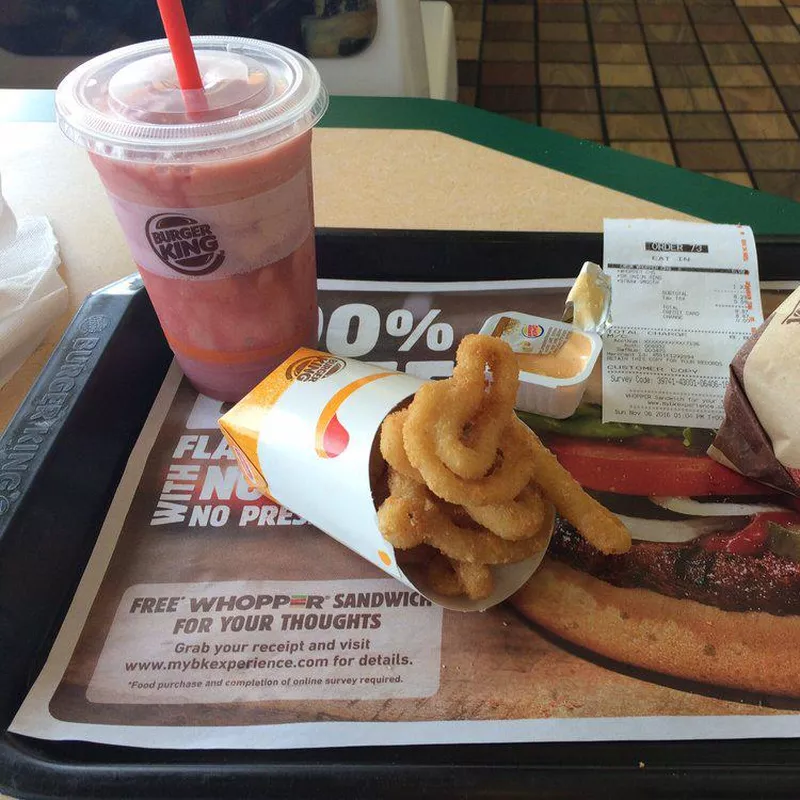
point(675, 188)
point(697, 195)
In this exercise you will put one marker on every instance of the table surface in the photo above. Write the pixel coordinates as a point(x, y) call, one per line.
point(378, 163)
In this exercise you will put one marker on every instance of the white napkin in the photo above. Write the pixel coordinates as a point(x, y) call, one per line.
point(8, 223)
point(32, 294)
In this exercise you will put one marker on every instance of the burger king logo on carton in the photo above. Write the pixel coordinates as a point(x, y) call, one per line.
point(314, 368)
point(184, 244)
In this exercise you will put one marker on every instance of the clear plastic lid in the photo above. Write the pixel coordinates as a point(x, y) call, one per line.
point(127, 104)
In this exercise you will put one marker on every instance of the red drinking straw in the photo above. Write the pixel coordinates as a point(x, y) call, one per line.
point(180, 43)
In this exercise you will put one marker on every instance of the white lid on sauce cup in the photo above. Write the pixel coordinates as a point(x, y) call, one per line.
point(305, 437)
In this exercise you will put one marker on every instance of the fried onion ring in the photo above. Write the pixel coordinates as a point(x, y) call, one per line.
point(475, 580)
point(454, 578)
point(392, 447)
point(473, 416)
point(417, 556)
point(520, 518)
point(401, 485)
point(469, 485)
point(442, 578)
point(596, 524)
point(406, 522)
point(511, 471)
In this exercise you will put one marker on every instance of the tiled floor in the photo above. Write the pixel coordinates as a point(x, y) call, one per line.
point(710, 85)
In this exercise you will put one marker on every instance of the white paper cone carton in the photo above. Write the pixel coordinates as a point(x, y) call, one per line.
point(306, 437)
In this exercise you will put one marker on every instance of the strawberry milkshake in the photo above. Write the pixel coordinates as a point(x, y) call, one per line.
point(213, 191)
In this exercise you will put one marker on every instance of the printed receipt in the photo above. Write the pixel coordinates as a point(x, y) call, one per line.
point(685, 297)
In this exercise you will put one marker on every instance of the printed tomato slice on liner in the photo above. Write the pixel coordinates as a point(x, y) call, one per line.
point(650, 466)
point(752, 539)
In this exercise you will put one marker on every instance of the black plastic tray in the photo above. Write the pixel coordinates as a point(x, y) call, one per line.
point(55, 488)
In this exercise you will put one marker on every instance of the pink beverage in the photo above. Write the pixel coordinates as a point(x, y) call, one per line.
point(213, 191)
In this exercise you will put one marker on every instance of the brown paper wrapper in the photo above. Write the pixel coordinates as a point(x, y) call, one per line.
point(754, 427)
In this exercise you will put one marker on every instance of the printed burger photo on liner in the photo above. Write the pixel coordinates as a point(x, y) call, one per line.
point(703, 589)
point(710, 589)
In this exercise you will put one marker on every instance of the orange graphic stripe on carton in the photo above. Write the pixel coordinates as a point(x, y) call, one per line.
point(327, 419)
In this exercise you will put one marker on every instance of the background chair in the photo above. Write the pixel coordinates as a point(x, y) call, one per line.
point(412, 53)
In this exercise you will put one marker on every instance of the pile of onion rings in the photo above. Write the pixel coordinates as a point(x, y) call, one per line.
point(469, 484)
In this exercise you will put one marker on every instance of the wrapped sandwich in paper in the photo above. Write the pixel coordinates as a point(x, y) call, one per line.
point(760, 434)
point(307, 437)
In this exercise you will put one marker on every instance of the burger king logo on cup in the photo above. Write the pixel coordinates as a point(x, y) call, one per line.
point(314, 368)
point(184, 244)
point(532, 331)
